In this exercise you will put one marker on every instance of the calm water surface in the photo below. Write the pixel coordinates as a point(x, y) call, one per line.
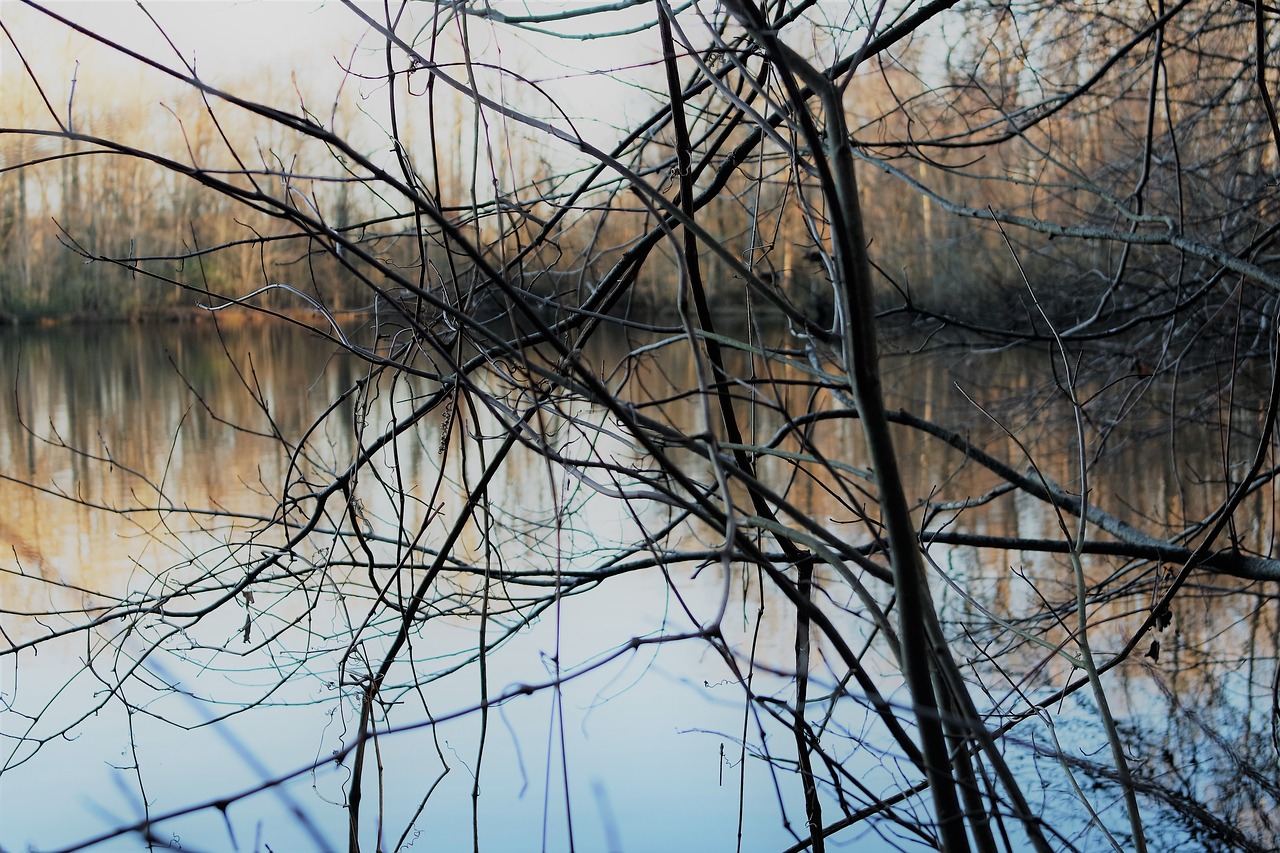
point(138, 425)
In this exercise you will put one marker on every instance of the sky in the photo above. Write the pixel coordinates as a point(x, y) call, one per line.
point(221, 37)
point(297, 47)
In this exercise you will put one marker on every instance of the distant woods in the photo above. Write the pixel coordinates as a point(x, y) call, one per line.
point(91, 232)
point(1126, 154)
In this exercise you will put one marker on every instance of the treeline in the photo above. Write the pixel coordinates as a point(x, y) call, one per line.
point(1012, 123)
point(88, 232)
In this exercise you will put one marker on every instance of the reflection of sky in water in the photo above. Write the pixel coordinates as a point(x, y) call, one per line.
point(643, 734)
point(643, 751)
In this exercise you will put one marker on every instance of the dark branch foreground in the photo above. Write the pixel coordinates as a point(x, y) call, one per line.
point(710, 328)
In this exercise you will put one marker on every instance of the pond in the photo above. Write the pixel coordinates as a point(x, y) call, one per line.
point(147, 469)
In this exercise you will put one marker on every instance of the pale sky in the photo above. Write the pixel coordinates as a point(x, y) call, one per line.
point(289, 46)
point(222, 37)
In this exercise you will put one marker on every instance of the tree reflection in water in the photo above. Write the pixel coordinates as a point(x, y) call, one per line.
point(281, 664)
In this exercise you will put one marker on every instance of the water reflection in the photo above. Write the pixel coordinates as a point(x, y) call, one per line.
point(148, 428)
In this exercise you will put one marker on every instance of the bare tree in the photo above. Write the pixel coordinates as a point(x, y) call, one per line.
point(685, 328)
